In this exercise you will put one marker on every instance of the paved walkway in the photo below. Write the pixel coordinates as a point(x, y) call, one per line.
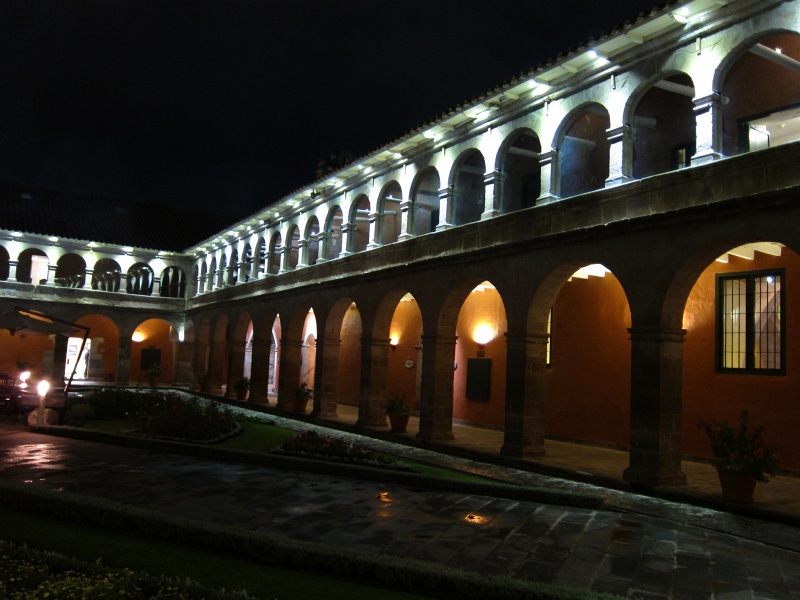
point(644, 547)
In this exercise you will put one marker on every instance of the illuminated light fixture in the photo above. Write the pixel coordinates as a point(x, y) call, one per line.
point(483, 334)
point(398, 155)
point(276, 214)
point(681, 17)
point(137, 336)
point(779, 50)
point(394, 340)
point(92, 245)
point(53, 239)
point(16, 234)
point(430, 134)
point(127, 249)
point(23, 379)
point(261, 221)
point(42, 389)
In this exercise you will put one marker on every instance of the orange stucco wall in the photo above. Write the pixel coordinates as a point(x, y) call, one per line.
point(772, 400)
point(349, 381)
point(108, 348)
point(481, 307)
point(588, 382)
point(28, 348)
point(156, 334)
point(402, 377)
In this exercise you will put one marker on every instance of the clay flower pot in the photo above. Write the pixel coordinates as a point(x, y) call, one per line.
point(736, 487)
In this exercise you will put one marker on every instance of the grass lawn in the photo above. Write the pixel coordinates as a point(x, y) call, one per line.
point(213, 570)
point(262, 437)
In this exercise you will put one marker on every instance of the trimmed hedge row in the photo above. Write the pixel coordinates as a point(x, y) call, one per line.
point(390, 572)
point(277, 461)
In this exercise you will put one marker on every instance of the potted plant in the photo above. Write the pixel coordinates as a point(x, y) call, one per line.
point(398, 413)
point(741, 456)
point(301, 397)
point(153, 373)
point(241, 387)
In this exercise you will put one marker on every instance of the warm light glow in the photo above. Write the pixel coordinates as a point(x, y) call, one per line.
point(483, 334)
point(394, 340)
point(137, 336)
point(24, 376)
point(43, 387)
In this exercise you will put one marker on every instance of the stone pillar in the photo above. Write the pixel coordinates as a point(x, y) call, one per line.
point(322, 254)
point(656, 386)
point(285, 254)
point(56, 376)
point(235, 366)
point(216, 368)
point(259, 369)
point(446, 199)
point(708, 126)
point(375, 230)
point(526, 373)
point(327, 376)
point(492, 194)
point(123, 357)
point(200, 358)
point(87, 279)
point(374, 372)
point(436, 391)
point(406, 220)
point(620, 144)
point(12, 270)
point(51, 273)
point(348, 231)
point(289, 380)
point(182, 365)
point(548, 165)
point(302, 253)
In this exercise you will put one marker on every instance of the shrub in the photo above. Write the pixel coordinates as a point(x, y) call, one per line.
point(113, 403)
point(309, 444)
point(177, 417)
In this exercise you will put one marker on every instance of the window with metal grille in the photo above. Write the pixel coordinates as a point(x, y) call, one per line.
point(750, 317)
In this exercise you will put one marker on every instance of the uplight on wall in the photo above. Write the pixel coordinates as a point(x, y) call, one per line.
point(394, 340)
point(137, 336)
point(483, 334)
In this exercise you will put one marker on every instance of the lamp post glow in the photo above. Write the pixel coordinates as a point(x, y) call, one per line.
point(23, 378)
point(42, 390)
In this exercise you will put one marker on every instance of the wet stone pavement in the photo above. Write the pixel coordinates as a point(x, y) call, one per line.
point(642, 548)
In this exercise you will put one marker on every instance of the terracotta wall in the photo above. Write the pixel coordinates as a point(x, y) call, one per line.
point(156, 334)
point(29, 348)
point(349, 379)
point(103, 327)
point(404, 358)
point(484, 307)
point(772, 400)
point(588, 382)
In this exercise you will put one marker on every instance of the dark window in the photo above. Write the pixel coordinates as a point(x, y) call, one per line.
point(750, 317)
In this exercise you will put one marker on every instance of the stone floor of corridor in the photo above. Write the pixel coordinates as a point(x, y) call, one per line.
point(777, 500)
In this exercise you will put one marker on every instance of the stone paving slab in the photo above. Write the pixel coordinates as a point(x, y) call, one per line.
point(639, 555)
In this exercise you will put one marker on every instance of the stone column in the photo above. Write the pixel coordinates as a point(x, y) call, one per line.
point(182, 366)
point(327, 376)
point(235, 366)
point(289, 380)
point(525, 395)
point(200, 358)
point(708, 129)
point(259, 370)
point(620, 144)
point(374, 371)
point(12, 270)
point(406, 220)
point(56, 376)
point(51, 273)
point(492, 194)
point(446, 199)
point(375, 230)
point(87, 280)
point(302, 253)
point(436, 392)
point(656, 387)
point(348, 231)
point(322, 254)
point(548, 165)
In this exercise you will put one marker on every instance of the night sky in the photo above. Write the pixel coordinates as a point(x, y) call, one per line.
point(227, 105)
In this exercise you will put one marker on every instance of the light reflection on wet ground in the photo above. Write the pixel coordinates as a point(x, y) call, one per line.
point(645, 546)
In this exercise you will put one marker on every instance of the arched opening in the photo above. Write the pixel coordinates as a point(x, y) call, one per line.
point(359, 222)
point(106, 276)
point(4, 264)
point(521, 184)
point(152, 352)
point(32, 266)
point(312, 241)
point(275, 254)
point(233, 270)
point(737, 349)
point(140, 279)
point(333, 227)
point(212, 274)
point(173, 283)
point(664, 127)
point(201, 283)
point(479, 379)
point(426, 202)
point(469, 188)
point(246, 266)
point(389, 210)
point(223, 269)
point(588, 358)
point(761, 95)
point(309, 351)
point(70, 271)
point(260, 258)
point(583, 151)
point(98, 361)
point(293, 247)
point(404, 377)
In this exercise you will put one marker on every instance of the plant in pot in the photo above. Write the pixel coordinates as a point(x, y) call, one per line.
point(241, 387)
point(301, 397)
point(398, 413)
point(741, 456)
point(153, 373)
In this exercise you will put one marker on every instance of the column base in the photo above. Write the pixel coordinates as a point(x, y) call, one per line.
point(618, 180)
point(546, 199)
point(514, 451)
point(444, 226)
point(648, 478)
point(443, 437)
point(489, 214)
point(708, 156)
